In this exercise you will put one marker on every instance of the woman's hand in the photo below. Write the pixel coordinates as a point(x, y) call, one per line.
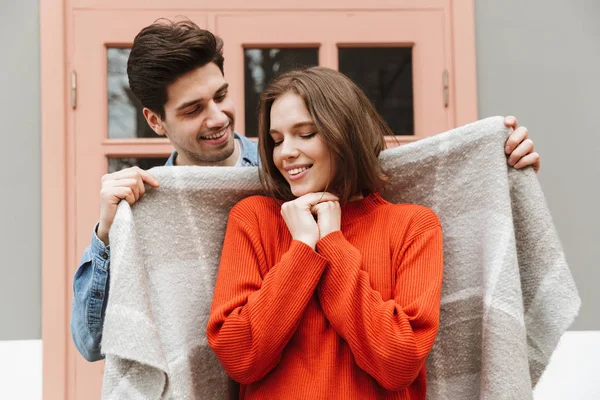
point(329, 217)
point(298, 216)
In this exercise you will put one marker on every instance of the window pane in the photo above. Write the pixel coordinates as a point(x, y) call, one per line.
point(117, 164)
point(385, 75)
point(125, 118)
point(264, 64)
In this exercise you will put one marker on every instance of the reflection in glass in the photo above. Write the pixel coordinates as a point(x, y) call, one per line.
point(385, 75)
point(117, 164)
point(125, 118)
point(264, 64)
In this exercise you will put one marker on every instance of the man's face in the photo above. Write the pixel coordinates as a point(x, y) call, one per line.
point(199, 118)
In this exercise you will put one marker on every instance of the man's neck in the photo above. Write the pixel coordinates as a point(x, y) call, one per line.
point(231, 161)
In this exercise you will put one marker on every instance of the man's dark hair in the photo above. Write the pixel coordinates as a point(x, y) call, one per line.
point(164, 51)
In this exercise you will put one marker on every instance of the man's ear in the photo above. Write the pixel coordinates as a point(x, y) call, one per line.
point(154, 121)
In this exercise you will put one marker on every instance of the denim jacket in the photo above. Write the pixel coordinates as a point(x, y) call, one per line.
point(90, 284)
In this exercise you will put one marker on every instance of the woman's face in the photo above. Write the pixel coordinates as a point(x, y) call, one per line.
point(299, 154)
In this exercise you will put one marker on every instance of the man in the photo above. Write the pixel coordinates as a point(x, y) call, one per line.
point(176, 72)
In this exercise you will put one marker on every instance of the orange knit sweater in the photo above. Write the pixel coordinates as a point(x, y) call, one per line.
point(353, 320)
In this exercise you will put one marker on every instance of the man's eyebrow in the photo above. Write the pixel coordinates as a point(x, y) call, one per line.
point(200, 100)
point(296, 125)
point(189, 103)
point(223, 87)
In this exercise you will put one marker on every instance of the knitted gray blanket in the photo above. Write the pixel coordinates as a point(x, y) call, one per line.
point(508, 294)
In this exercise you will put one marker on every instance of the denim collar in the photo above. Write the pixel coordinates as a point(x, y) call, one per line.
point(249, 155)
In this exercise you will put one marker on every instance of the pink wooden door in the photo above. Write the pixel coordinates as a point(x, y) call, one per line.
point(102, 144)
point(110, 136)
point(356, 35)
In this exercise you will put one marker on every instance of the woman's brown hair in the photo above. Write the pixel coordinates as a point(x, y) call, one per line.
point(346, 121)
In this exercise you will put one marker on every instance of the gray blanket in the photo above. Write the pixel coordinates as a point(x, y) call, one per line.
point(508, 294)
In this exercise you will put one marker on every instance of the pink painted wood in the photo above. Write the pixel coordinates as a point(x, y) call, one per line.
point(75, 144)
point(268, 5)
point(91, 39)
point(421, 29)
point(55, 216)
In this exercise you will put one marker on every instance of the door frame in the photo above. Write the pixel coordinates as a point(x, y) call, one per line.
point(57, 159)
point(58, 141)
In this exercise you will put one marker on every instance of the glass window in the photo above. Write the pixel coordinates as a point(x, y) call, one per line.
point(116, 164)
point(385, 75)
point(264, 64)
point(125, 118)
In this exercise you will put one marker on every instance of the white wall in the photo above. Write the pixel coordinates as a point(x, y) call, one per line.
point(20, 203)
point(21, 369)
point(540, 60)
point(572, 373)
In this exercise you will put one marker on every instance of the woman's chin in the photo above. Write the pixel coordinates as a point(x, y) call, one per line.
point(301, 191)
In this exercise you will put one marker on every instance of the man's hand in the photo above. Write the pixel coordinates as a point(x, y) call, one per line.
point(127, 184)
point(519, 147)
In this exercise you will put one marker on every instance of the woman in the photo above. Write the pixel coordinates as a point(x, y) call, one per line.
point(325, 290)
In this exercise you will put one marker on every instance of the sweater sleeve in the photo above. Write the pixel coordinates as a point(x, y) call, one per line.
point(390, 339)
point(253, 316)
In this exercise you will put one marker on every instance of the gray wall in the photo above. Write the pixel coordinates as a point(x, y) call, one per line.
point(540, 61)
point(20, 221)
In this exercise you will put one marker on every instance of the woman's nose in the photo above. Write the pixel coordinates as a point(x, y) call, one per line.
point(289, 149)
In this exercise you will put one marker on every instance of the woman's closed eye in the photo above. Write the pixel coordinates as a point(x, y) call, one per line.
point(309, 135)
point(277, 142)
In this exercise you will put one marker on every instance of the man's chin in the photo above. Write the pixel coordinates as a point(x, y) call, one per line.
point(214, 155)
